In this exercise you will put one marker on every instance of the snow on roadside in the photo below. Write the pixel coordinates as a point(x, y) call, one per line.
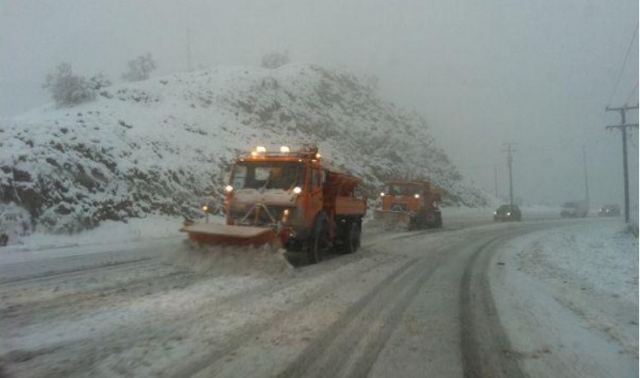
point(568, 299)
point(599, 256)
point(109, 243)
point(109, 232)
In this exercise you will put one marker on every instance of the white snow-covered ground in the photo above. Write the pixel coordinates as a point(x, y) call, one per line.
point(569, 299)
point(108, 232)
point(112, 243)
point(150, 307)
point(138, 234)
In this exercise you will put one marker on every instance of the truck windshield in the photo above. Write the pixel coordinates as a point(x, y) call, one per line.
point(402, 190)
point(267, 175)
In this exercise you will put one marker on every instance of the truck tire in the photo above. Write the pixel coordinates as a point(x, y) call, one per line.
point(319, 242)
point(351, 239)
point(417, 222)
point(438, 221)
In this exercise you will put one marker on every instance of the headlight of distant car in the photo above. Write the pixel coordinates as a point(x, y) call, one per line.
point(509, 214)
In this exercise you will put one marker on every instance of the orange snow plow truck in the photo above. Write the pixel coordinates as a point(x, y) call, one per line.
point(290, 199)
point(415, 203)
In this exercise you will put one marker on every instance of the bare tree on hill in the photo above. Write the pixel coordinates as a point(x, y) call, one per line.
point(275, 59)
point(140, 68)
point(67, 88)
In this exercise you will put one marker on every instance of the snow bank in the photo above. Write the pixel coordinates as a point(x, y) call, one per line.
point(568, 299)
point(600, 256)
point(152, 227)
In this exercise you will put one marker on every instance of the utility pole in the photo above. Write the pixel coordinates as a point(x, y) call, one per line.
point(189, 50)
point(623, 128)
point(510, 152)
point(586, 176)
point(495, 178)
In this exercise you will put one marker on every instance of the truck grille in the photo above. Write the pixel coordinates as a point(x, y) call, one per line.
point(260, 215)
point(399, 207)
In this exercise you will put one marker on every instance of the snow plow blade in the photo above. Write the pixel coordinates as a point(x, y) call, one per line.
point(226, 235)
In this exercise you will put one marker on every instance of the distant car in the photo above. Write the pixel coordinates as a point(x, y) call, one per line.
point(507, 213)
point(609, 211)
point(574, 209)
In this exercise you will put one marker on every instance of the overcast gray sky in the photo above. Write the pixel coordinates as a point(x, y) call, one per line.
point(537, 73)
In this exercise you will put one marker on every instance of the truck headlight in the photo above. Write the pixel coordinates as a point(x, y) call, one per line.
point(287, 215)
point(297, 190)
point(416, 195)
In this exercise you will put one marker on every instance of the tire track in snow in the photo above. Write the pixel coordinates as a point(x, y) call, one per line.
point(350, 346)
point(248, 332)
point(85, 354)
point(486, 350)
point(70, 273)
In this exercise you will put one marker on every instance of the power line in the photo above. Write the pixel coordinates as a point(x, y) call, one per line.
point(623, 126)
point(624, 63)
point(586, 174)
point(633, 91)
point(632, 141)
point(510, 152)
point(189, 67)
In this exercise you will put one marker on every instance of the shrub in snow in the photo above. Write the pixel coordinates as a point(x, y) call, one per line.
point(140, 68)
point(68, 89)
point(15, 222)
point(99, 81)
point(275, 59)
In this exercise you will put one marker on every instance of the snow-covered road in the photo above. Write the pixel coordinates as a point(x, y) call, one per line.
point(407, 304)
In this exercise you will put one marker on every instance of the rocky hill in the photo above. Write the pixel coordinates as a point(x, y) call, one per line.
point(160, 145)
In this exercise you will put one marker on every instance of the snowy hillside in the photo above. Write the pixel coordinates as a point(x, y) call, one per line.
point(160, 145)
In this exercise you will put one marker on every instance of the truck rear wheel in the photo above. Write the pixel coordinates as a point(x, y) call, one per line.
point(438, 220)
point(319, 242)
point(351, 240)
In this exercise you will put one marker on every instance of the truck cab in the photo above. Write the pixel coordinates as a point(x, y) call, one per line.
point(299, 196)
point(414, 202)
